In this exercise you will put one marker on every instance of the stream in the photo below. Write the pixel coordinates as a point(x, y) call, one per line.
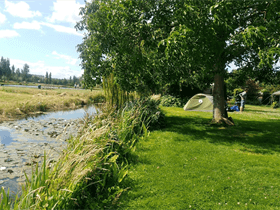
point(23, 142)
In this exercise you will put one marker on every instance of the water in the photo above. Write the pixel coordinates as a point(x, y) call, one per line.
point(18, 146)
point(5, 135)
point(67, 115)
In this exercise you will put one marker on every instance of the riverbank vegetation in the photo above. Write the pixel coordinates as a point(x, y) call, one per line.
point(17, 103)
point(90, 172)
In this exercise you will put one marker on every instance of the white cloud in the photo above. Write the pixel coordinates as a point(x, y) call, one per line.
point(67, 58)
point(63, 29)
point(40, 68)
point(8, 34)
point(37, 26)
point(2, 18)
point(20, 9)
point(65, 11)
point(26, 25)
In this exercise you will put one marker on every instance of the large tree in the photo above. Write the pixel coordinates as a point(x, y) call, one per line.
point(147, 44)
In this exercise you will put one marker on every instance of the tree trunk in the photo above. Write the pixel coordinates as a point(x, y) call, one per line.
point(219, 111)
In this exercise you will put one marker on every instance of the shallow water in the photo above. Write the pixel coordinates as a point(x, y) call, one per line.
point(5, 135)
point(21, 140)
point(67, 115)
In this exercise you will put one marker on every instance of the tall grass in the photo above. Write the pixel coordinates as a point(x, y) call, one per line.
point(115, 96)
point(90, 172)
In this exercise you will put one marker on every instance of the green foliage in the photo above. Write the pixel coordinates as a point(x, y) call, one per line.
point(236, 93)
point(275, 105)
point(97, 98)
point(90, 172)
point(253, 89)
point(115, 96)
point(150, 45)
point(168, 101)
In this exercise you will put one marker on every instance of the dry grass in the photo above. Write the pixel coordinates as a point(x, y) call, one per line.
point(18, 102)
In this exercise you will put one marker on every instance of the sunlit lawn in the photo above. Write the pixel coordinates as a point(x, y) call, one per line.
point(193, 165)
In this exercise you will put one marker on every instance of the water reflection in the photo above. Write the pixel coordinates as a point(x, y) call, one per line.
point(67, 115)
point(5, 136)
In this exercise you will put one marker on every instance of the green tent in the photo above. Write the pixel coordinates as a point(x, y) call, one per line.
point(200, 102)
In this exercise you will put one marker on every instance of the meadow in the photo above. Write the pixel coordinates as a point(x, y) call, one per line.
point(191, 164)
point(16, 102)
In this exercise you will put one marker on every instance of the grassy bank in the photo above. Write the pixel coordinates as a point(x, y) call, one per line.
point(90, 172)
point(18, 102)
point(193, 165)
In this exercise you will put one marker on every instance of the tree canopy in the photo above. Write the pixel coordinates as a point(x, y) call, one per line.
point(148, 44)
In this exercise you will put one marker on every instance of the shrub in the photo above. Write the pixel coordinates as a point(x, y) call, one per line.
point(97, 98)
point(170, 101)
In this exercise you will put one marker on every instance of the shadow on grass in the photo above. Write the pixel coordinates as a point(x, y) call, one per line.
point(254, 136)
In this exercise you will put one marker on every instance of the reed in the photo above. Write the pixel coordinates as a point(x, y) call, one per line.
point(115, 96)
point(90, 172)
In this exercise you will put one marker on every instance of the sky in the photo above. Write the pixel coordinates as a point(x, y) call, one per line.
point(41, 34)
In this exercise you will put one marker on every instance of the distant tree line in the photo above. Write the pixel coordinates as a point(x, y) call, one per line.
point(10, 73)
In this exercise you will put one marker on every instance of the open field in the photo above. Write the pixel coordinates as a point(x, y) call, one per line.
point(19, 102)
point(191, 164)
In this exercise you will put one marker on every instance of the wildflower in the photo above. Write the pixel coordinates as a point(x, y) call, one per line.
point(238, 203)
point(250, 199)
point(226, 203)
point(245, 204)
point(219, 203)
point(264, 197)
point(190, 206)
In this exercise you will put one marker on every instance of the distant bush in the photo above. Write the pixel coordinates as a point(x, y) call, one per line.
point(253, 102)
point(171, 101)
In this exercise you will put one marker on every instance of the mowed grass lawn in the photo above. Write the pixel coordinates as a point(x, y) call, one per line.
point(191, 164)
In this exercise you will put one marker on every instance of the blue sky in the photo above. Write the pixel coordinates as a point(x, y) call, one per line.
point(41, 33)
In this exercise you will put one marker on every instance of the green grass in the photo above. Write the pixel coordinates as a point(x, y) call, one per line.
point(193, 165)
